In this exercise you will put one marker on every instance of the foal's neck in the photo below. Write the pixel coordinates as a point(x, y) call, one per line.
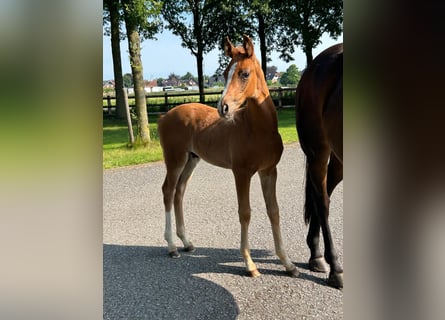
point(263, 115)
point(263, 103)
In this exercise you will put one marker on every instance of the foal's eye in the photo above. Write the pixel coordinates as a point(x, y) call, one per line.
point(244, 75)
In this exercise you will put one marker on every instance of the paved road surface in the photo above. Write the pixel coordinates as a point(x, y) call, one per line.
point(142, 282)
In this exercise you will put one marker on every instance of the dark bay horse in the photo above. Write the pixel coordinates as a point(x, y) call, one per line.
point(319, 119)
point(241, 135)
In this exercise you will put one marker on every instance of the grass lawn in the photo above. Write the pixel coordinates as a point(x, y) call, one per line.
point(117, 154)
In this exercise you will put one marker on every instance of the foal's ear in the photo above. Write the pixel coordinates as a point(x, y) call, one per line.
point(228, 47)
point(248, 45)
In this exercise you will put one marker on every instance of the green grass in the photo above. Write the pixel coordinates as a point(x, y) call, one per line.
point(286, 125)
point(115, 140)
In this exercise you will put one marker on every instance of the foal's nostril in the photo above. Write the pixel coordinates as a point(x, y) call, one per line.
point(225, 109)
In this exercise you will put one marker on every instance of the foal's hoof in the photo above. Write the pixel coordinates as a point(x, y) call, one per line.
point(190, 248)
point(174, 254)
point(294, 273)
point(336, 280)
point(318, 265)
point(254, 273)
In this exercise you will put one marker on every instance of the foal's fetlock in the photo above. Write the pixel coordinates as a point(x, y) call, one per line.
point(253, 273)
point(174, 254)
point(189, 248)
point(293, 271)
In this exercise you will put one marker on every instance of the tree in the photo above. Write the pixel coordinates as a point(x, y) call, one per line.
point(291, 76)
point(263, 21)
point(188, 76)
point(304, 22)
point(141, 20)
point(128, 80)
point(112, 18)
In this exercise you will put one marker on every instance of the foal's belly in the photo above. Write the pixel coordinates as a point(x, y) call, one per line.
point(239, 153)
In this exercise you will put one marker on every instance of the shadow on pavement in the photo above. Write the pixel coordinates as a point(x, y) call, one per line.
point(144, 283)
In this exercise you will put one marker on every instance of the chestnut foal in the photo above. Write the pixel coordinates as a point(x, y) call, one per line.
point(241, 135)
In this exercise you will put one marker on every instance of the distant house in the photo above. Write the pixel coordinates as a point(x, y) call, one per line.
point(276, 77)
point(108, 84)
point(172, 82)
point(190, 83)
point(216, 79)
point(156, 89)
point(149, 85)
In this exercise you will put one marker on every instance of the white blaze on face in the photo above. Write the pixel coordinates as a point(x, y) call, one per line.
point(229, 79)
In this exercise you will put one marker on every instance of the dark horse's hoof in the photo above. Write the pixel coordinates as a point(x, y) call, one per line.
point(318, 265)
point(336, 280)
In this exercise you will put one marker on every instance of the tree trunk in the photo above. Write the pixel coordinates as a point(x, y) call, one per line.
point(134, 47)
point(305, 34)
point(199, 59)
point(113, 6)
point(197, 27)
point(263, 48)
point(128, 115)
point(309, 58)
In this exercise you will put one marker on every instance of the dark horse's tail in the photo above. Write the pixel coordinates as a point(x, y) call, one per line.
point(309, 205)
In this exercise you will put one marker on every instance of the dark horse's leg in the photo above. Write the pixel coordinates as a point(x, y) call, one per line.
point(322, 181)
point(316, 260)
point(335, 175)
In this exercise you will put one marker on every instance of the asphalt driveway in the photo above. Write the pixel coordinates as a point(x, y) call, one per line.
point(142, 282)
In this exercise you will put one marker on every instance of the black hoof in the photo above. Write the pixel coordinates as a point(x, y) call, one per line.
point(174, 254)
point(336, 280)
point(318, 265)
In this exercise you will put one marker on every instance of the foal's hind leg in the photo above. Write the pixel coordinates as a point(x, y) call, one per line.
point(179, 195)
point(268, 185)
point(175, 165)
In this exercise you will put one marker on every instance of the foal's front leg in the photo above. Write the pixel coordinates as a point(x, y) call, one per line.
point(242, 180)
point(268, 185)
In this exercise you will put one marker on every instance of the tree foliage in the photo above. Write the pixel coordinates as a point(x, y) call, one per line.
point(291, 76)
point(144, 15)
point(128, 80)
point(106, 17)
point(303, 22)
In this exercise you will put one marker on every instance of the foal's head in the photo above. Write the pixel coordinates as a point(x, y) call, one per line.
point(244, 78)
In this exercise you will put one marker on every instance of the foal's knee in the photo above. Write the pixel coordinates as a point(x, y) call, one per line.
point(244, 216)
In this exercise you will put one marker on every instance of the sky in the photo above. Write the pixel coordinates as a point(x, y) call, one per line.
point(164, 56)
